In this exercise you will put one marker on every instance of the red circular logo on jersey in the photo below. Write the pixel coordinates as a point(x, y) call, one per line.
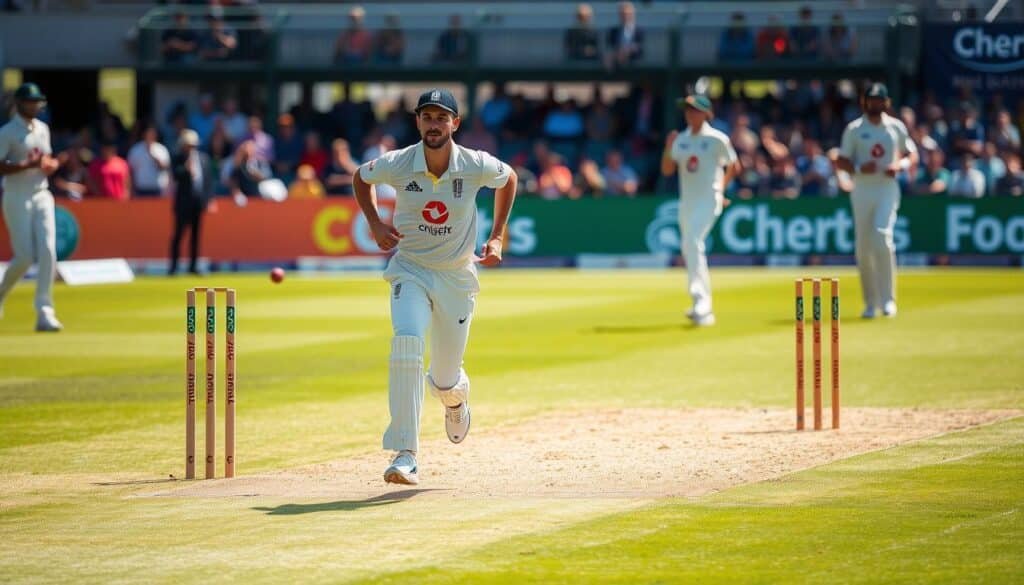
point(692, 163)
point(435, 212)
point(878, 151)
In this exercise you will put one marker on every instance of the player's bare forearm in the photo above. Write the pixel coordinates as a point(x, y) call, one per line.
point(844, 164)
point(9, 168)
point(730, 173)
point(503, 200)
point(366, 199)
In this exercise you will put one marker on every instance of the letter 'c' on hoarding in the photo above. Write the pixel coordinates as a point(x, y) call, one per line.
point(331, 230)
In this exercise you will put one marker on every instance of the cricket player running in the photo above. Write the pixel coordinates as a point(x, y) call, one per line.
point(706, 164)
point(874, 149)
point(25, 163)
point(432, 274)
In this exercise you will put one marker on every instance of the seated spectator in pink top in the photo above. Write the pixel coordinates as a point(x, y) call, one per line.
point(555, 180)
point(109, 175)
point(314, 154)
point(354, 43)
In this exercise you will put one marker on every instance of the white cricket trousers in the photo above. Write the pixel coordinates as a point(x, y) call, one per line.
point(874, 216)
point(423, 300)
point(31, 225)
point(697, 215)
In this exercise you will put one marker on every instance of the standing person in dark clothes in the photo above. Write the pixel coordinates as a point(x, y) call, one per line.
point(194, 180)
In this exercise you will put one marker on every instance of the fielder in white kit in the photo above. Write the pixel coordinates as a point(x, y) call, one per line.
point(706, 164)
point(25, 162)
point(433, 274)
point(874, 149)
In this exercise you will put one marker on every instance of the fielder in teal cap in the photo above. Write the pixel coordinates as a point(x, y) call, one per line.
point(705, 162)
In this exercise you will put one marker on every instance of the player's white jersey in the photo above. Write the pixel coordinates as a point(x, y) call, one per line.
point(883, 143)
point(17, 140)
point(437, 215)
point(701, 157)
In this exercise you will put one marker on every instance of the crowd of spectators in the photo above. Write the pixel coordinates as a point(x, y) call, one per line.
point(786, 143)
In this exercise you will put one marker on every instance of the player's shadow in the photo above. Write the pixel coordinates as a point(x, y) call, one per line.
point(343, 505)
point(640, 329)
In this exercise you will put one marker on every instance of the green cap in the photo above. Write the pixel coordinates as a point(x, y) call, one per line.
point(877, 90)
point(29, 92)
point(697, 102)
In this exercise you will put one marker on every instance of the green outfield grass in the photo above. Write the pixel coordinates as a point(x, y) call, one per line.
point(91, 419)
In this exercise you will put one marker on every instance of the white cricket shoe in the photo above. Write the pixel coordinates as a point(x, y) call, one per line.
point(47, 322)
point(456, 422)
point(889, 310)
point(402, 469)
point(869, 313)
point(701, 319)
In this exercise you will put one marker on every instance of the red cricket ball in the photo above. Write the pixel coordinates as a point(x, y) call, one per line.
point(277, 274)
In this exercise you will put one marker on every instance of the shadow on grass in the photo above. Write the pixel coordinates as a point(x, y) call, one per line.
point(343, 505)
point(638, 329)
point(136, 481)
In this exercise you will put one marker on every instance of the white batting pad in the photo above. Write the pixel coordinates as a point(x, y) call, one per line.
point(405, 393)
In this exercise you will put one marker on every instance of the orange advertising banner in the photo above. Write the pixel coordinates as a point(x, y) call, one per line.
point(259, 231)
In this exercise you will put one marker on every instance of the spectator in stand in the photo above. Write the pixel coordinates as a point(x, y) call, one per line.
point(247, 172)
point(784, 182)
point(772, 41)
point(263, 142)
point(354, 43)
point(991, 166)
point(71, 179)
point(933, 178)
point(179, 44)
point(581, 41)
point(306, 185)
point(564, 123)
point(966, 136)
point(496, 109)
point(338, 176)
point(313, 154)
point(379, 144)
point(626, 41)
point(477, 137)
point(150, 164)
point(203, 120)
point(390, 41)
point(600, 123)
point(744, 139)
point(921, 135)
point(235, 122)
point(193, 179)
point(775, 148)
point(736, 45)
point(805, 37)
point(753, 175)
point(619, 177)
point(219, 42)
point(1005, 135)
point(109, 175)
point(555, 179)
point(1012, 183)
point(967, 181)
point(589, 182)
point(454, 45)
point(519, 124)
point(220, 149)
point(815, 170)
point(840, 44)
point(289, 146)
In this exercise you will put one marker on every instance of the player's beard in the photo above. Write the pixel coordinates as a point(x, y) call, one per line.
point(874, 111)
point(436, 141)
